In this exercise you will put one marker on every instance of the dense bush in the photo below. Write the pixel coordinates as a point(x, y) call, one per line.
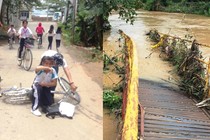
point(201, 7)
point(111, 100)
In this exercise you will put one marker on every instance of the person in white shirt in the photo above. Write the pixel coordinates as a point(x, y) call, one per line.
point(24, 32)
point(11, 33)
point(46, 77)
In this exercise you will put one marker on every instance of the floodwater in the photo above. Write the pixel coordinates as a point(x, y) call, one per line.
point(110, 123)
point(153, 68)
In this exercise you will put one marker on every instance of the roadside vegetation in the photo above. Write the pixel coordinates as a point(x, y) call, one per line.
point(114, 80)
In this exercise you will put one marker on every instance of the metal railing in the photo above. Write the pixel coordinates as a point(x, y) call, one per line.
point(130, 94)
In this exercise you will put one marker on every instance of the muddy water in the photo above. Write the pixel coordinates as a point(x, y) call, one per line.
point(175, 24)
point(110, 131)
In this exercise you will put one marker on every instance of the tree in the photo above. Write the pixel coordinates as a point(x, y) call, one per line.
point(93, 15)
point(13, 6)
point(125, 8)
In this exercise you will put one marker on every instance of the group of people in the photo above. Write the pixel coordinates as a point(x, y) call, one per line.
point(25, 32)
point(47, 71)
point(51, 33)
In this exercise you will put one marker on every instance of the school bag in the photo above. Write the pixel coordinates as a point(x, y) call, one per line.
point(62, 109)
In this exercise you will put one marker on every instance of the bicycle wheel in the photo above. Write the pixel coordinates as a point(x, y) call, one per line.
point(19, 62)
point(18, 100)
point(27, 59)
point(39, 43)
point(10, 43)
point(74, 96)
point(17, 92)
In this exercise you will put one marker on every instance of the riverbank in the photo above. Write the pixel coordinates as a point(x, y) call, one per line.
point(183, 6)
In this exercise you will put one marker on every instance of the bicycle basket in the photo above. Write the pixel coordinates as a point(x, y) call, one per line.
point(29, 42)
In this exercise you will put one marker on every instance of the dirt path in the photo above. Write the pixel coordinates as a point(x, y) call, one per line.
point(17, 122)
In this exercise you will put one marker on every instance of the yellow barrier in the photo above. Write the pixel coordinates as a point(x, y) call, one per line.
point(130, 126)
point(160, 43)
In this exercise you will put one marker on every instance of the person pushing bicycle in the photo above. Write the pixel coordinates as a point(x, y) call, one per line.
point(24, 33)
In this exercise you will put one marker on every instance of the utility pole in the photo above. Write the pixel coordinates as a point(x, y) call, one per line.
point(73, 23)
point(0, 5)
point(47, 9)
point(74, 16)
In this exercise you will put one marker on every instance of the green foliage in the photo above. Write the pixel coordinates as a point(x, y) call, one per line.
point(201, 7)
point(149, 5)
point(13, 6)
point(92, 19)
point(154, 5)
point(111, 100)
point(126, 9)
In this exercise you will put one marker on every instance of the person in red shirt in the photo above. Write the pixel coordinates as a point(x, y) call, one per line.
point(40, 30)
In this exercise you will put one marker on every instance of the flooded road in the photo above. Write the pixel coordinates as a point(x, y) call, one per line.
point(175, 24)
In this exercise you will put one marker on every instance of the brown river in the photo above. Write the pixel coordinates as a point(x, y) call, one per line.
point(153, 68)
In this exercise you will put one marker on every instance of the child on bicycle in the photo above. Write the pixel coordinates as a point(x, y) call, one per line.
point(24, 33)
point(40, 30)
point(46, 77)
point(11, 33)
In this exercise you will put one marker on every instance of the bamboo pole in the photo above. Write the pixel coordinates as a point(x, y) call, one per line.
point(207, 95)
point(187, 40)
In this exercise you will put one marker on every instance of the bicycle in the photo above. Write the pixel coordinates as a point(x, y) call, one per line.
point(10, 42)
point(69, 95)
point(39, 44)
point(18, 96)
point(26, 56)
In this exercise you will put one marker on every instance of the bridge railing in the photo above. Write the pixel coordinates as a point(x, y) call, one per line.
point(130, 93)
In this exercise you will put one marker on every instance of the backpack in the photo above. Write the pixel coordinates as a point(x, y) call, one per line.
point(39, 30)
point(62, 109)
